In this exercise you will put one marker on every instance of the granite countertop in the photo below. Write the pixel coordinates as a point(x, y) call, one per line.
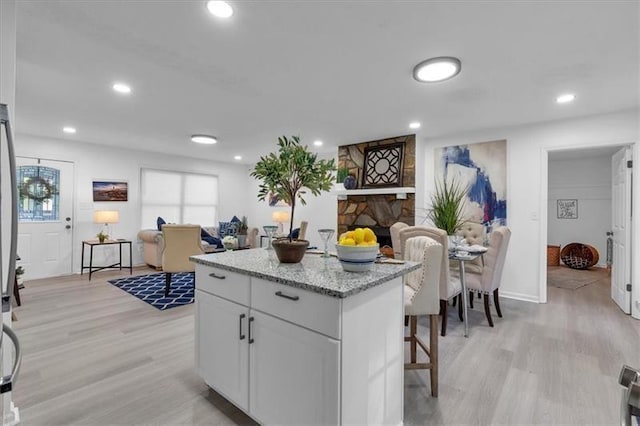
point(313, 273)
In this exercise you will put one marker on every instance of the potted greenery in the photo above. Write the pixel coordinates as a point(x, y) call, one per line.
point(285, 174)
point(102, 236)
point(447, 206)
point(243, 227)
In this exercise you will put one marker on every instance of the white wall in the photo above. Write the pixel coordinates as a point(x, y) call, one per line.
point(93, 161)
point(589, 181)
point(527, 148)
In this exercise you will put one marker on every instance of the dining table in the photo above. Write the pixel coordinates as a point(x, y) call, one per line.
point(463, 256)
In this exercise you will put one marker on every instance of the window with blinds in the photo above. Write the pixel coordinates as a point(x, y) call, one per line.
point(178, 197)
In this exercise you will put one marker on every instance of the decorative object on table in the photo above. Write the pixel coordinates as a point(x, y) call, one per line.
point(105, 217)
point(383, 165)
point(567, 209)
point(447, 206)
point(286, 173)
point(358, 250)
point(230, 242)
point(325, 235)
point(280, 217)
point(482, 169)
point(110, 190)
point(579, 256)
point(150, 289)
point(243, 228)
point(270, 230)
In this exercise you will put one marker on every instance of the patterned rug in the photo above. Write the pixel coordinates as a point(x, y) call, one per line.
point(150, 289)
point(570, 279)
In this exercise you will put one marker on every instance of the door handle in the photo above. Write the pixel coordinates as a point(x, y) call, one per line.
point(67, 219)
point(7, 382)
point(67, 227)
point(251, 319)
point(242, 336)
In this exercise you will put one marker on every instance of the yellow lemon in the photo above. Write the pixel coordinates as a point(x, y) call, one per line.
point(349, 234)
point(348, 242)
point(342, 236)
point(358, 235)
point(369, 235)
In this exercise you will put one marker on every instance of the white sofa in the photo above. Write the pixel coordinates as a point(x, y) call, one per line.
point(153, 244)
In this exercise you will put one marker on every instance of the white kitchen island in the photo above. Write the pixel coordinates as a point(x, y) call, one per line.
point(303, 343)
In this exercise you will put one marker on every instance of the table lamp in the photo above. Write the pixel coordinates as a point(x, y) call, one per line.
point(280, 217)
point(106, 217)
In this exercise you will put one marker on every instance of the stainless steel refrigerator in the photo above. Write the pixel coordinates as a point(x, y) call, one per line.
point(8, 255)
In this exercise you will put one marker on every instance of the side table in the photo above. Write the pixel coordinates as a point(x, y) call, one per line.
point(92, 244)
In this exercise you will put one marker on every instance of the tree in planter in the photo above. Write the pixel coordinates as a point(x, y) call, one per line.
point(243, 227)
point(447, 206)
point(289, 170)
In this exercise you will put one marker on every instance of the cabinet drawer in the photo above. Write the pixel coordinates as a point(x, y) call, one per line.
point(311, 310)
point(226, 284)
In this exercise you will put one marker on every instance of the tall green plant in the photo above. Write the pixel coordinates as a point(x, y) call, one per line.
point(294, 167)
point(447, 205)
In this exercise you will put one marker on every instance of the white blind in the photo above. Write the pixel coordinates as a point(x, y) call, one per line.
point(178, 197)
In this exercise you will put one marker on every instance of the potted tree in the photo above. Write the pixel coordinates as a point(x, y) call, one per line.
point(447, 206)
point(285, 174)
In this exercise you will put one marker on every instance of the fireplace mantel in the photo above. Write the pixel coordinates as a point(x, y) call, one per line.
point(400, 192)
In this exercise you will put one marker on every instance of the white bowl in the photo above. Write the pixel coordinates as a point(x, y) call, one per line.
point(357, 258)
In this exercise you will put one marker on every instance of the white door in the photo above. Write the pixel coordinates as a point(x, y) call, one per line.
point(45, 223)
point(621, 217)
point(294, 374)
point(222, 352)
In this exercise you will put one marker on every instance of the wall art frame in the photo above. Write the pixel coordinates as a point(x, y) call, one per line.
point(110, 190)
point(568, 209)
point(383, 166)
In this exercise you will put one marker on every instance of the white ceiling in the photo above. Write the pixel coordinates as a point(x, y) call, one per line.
point(336, 71)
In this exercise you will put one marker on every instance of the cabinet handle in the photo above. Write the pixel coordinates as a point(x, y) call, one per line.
point(286, 296)
point(251, 319)
point(214, 275)
point(242, 336)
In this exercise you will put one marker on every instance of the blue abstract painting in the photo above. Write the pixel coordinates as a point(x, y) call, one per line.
point(483, 167)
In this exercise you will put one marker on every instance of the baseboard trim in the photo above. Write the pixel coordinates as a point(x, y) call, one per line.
point(519, 296)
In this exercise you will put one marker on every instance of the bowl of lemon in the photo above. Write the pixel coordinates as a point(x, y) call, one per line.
point(357, 250)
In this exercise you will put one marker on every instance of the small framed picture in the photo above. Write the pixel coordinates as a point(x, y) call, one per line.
point(567, 209)
point(104, 190)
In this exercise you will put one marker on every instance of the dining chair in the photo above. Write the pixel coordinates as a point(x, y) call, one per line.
point(450, 285)
point(421, 297)
point(489, 281)
point(394, 231)
point(473, 233)
point(180, 242)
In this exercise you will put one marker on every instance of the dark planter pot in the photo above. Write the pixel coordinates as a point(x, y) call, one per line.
point(350, 182)
point(290, 252)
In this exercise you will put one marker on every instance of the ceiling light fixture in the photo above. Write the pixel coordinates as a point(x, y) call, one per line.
point(221, 9)
point(563, 99)
point(69, 129)
point(317, 143)
point(122, 88)
point(437, 69)
point(414, 125)
point(237, 157)
point(204, 139)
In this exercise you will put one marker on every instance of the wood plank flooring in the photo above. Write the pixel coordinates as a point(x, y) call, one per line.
point(94, 355)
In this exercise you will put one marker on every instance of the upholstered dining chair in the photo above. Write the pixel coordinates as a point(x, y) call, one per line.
point(394, 231)
point(473, 233)
point(489, 281)
point(450, 285)
point(421, 297)
point(180, 242)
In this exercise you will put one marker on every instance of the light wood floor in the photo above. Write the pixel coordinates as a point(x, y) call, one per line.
point(96, 355)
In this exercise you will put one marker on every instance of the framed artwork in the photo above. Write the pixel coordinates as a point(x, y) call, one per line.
point(106, 190)
point(482, 167)
point(383, 166)
point(567, 209)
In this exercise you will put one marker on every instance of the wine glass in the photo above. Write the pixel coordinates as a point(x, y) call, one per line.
point(270, 230)
point(325, 234)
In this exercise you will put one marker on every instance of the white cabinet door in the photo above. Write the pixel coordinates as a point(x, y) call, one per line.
point(294, 373)
point(222, 354)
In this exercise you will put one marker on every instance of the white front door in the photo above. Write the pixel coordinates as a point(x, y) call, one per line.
point(45, 224)
point(621, 217)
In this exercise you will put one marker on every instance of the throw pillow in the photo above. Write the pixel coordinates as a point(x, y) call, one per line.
point(211, 240)
point(159, 222)
point(227, 228)
point(235, 219)
point(295, 234)
point(204, 234)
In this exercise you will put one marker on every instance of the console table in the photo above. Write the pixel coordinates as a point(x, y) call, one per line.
point(92, 244)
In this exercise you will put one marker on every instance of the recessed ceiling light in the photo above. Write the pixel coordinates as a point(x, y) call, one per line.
point(414, 125)
point(69, 129)
point(238, 157)
point(317, 143)
point(121, 88)
point(437, 69)
point(221, 9)
point(204, 139)
point(563, 99)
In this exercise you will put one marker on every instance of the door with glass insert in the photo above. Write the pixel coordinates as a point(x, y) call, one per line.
point(45, 225)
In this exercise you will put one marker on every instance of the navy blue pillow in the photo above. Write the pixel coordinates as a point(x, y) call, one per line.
point(227, 228)
point(159, 222)
point(295, 234)
point(235, 219)
point(211, 240)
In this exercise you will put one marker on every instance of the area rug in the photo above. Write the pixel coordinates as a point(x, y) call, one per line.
point(570, 279)
point(150, 289)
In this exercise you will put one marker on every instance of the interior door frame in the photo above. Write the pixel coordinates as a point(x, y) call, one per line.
point(635, 229)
